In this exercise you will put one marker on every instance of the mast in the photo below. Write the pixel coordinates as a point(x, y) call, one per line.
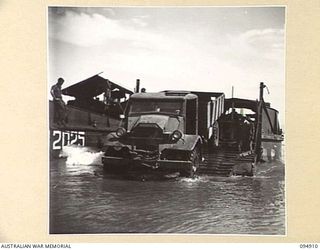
point(137, 89)
point(232, 113)
point(258, 148)
point(232, 106)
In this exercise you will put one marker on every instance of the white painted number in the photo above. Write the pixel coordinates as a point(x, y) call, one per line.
point(67, 138)
point(75, 138)
point(81, 138)
point(55, 144)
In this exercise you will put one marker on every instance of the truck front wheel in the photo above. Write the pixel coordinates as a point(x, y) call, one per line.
point(195, 159)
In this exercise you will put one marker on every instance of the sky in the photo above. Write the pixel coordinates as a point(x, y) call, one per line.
point(185, 48)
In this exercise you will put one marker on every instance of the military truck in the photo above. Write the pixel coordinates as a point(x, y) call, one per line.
point(163, 133)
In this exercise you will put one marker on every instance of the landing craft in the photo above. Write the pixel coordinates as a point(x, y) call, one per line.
point(245, 132)
point(94, 112)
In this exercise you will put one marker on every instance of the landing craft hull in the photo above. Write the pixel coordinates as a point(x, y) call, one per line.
point(88, 118)
point(272, 150)
point(61, 138)
point(80, 129)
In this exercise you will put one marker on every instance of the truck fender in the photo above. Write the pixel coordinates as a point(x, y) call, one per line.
point(111, 140)
point(187, 142)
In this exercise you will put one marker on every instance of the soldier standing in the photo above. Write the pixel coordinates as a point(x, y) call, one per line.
point(59, 105)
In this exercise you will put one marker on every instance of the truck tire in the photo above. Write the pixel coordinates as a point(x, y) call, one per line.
point(251, 171)
point(195, 159)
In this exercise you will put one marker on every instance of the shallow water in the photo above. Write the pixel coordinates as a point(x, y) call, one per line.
point(83, 199)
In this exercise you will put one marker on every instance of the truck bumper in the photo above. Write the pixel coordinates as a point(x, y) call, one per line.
point(161, 165)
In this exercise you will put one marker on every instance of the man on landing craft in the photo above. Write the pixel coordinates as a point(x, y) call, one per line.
point(60, 110)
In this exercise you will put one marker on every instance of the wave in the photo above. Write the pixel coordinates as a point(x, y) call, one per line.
point(79, 155)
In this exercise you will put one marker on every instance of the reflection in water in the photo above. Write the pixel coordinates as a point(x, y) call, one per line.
point(85, 200)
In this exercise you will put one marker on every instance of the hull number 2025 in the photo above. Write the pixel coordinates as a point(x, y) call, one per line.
point(65, 138)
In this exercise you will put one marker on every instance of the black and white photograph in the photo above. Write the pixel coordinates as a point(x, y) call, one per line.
point(166, 120)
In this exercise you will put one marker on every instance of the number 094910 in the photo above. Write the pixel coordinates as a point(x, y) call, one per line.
point(308, 246)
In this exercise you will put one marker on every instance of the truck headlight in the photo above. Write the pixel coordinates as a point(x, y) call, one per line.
point(121, 132)
point(176, 135)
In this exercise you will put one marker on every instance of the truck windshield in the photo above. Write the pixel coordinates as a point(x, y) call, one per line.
point(147, 106)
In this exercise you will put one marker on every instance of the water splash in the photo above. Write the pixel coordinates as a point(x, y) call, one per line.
point(196, 178)
point(270, 170)
point(77, 155)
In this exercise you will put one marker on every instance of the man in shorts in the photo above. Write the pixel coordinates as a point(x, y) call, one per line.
point(60, 110)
